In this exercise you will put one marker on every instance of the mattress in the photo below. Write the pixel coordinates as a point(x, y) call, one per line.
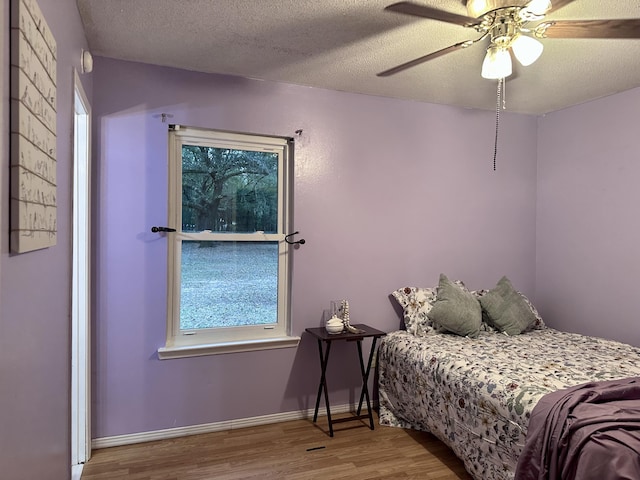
point(476, 395)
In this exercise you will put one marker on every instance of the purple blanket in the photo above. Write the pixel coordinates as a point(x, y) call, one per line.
point(591, 431)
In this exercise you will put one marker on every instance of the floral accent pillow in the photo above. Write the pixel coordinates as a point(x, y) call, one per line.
point(539, 323)
point(416, 303)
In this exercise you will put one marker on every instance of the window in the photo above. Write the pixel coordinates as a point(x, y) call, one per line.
point(228, 275)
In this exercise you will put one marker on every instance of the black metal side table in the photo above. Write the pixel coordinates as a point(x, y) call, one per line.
point(323, 336)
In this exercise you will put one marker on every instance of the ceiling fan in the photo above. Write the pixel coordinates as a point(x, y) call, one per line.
point(511, 25)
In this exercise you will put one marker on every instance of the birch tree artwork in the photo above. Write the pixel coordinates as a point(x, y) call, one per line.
point(33, 129)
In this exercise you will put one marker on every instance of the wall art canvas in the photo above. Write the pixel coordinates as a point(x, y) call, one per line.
point(33, 129)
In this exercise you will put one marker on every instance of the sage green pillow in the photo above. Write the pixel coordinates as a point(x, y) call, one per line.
point(506, 310)
point(456, 310)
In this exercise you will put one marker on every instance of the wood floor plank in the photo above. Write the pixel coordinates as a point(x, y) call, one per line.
point(296, 450)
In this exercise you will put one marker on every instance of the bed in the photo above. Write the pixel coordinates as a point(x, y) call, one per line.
point(477, 394)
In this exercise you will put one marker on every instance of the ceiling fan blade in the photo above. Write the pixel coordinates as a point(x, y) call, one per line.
point(425, 58)
point(620, 28)
point(410, 8)
point(558, 4)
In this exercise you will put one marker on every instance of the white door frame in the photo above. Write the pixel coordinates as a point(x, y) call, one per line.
point(81, 280)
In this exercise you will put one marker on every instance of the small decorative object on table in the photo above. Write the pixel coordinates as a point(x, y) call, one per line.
point(334, 325)
point(344, 313)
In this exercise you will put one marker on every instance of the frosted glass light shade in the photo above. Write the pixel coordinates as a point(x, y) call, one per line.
point(497, 63)
point(478, 8)
point(539, 7)
point(526, 49)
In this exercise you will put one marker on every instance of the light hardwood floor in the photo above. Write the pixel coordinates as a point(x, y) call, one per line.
point(296, 450)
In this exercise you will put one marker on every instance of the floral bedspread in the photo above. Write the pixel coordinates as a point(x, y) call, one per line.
point(476, 395)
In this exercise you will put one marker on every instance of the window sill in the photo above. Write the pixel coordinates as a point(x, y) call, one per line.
point(183, 351)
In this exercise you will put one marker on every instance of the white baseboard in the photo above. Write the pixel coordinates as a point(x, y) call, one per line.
point(151, 436)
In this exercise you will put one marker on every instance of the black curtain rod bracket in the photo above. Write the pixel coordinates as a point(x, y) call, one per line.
point(302, 241)
point(162, 229)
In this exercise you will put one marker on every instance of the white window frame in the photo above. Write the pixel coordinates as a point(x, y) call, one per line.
point(188, 343)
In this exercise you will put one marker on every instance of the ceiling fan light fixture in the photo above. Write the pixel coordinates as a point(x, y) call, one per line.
point(497, 63)
point(526, 49)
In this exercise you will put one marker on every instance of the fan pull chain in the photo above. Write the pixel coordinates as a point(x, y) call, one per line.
point(500, 95)
point(504, 94)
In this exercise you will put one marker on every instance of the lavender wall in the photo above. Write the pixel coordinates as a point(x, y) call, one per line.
point(587, 218)
point(35, 354)
point(388, 193)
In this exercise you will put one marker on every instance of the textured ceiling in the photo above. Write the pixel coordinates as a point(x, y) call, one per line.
point(342, 44)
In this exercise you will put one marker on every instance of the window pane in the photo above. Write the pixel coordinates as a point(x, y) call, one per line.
point(226, 190)
point(228, 284)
